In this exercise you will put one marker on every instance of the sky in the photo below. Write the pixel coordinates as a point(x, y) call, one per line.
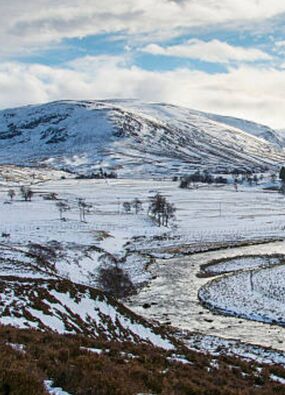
point(220, 56)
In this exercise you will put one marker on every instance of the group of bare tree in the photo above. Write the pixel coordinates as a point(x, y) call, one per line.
point(25, 192)
point(161, 210)
point(135, 204)
point(84, 208)
point(204, 177)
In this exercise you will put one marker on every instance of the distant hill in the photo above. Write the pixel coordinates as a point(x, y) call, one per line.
point(134, 138)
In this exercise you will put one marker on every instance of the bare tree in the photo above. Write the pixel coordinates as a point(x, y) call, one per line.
point(127, 207)
point(156, 208)
point(26, 193)
point(169, 212)
point(161, 210)
point(137, 205)
point(62, 208)
point(84, 208)
point(11, 194)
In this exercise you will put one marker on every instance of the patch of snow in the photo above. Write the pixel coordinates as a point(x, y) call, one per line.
point(17, 347)
point(278, 379)
point(242, 263)
point(54, 390)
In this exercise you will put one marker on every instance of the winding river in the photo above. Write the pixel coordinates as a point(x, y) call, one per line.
point(172, 297)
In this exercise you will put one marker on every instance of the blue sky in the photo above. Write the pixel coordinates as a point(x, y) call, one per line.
point(223, 56)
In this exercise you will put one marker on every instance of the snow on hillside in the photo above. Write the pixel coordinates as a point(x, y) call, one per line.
point(132, 138)
point(29, 175)
point(64, 307)
point(273, 136)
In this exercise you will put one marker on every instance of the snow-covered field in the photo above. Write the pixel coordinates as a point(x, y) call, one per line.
point(257, 294)
point(207, 214)
point(242, 263)
point(56, 248)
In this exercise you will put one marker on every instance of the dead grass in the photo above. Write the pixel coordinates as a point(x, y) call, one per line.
point(121, 368)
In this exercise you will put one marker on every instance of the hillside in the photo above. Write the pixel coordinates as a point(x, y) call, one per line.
point(135, 138)
point(36, 363)
point(276, 137)
point(34, 293)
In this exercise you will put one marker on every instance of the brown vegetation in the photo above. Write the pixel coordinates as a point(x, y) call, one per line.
point(121, 368)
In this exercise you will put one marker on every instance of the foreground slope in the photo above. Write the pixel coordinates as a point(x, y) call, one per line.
point(64, 307)
point(129, 136)
point(34, 294)
point(35, 363)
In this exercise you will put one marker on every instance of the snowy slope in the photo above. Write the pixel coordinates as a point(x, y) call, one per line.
point(275, 137)
point(64, 307)
point(43, 286)
point(133, 137)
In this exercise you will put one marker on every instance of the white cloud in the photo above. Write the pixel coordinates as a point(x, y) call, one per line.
point(35, 24)
point(280, 48)
point(214, 51)
point(248, 92)
point(280, 44)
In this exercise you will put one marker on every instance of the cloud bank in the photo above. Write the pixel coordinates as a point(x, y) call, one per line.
point(250, 85)
point(214, 51)
point(247, 91)
point(30, 24)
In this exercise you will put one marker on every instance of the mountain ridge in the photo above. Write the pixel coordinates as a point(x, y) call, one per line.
point(132, 137)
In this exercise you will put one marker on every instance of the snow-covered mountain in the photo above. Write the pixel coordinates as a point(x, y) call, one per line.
point(275, 137)
point(134, 138)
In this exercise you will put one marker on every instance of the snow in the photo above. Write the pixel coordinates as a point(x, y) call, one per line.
point(255, 294)
point(18, 322)
point(51, 321)
point(179, 358)
point(133, 137)
point(278, 379)
point(94, 350)
point(250, 214)
point(17, 347)
point(74, 311)
point(146, 144)
point(261, 131)
point(220, 346)
point(147, 334)
point(94, 309)
point(54, 390)
point(241, 263)
point(172, 296)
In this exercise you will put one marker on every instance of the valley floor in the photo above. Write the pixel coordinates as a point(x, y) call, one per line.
point(50, 267)
point(173, 293)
